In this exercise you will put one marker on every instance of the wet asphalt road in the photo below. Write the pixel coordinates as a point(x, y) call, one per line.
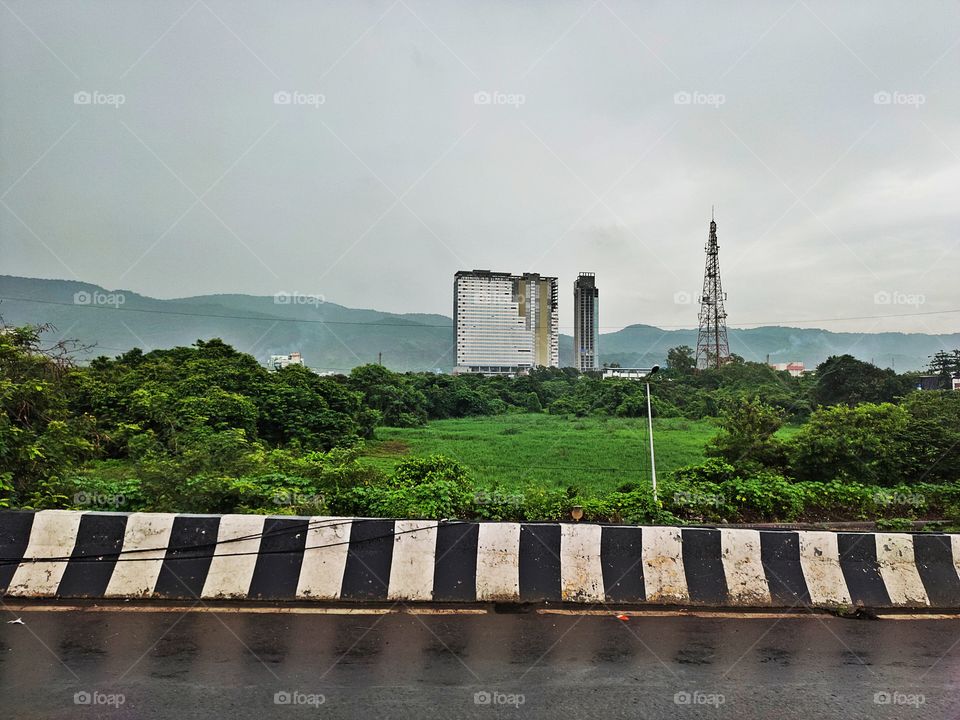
point(227, 665)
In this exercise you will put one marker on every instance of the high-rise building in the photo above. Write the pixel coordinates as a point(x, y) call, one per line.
point(504, 324)
point(586, 323)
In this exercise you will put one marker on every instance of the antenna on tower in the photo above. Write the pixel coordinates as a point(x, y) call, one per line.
point(713, 348)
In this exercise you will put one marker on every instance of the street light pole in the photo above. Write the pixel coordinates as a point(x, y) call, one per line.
point(653, 461)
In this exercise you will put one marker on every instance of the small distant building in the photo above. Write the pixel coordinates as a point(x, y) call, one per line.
point(278, 362)
point(938, 382)
point(627, 373)
point(795, 368)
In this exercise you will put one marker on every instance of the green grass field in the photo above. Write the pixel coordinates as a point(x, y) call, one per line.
point(595, 454)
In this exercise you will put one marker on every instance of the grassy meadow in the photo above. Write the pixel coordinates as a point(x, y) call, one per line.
point(597, 454)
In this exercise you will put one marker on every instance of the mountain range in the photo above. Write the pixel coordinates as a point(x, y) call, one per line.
point(334, 337)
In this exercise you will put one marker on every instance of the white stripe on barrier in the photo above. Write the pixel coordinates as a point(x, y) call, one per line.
point(955, 552)
point(231, 576)
point(898, 568)
point(54, 534)
point(135, 573)
point(498, 562)
point(581, 573)
point(820, 561)
point(325, 558)
point(663, 575)
point(743, 567)
point(414, 553)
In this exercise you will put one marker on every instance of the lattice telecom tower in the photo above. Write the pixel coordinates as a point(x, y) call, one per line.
point(713, 348)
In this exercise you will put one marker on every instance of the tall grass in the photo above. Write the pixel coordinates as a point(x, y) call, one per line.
point(595, 454)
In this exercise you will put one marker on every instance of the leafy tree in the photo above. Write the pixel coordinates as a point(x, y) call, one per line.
point(682, 360)
point(394, 396)
point(316, 413)
point(933, 440)
point(747, 436)
point(845, 380)
point(866, 444)
point(40, 439)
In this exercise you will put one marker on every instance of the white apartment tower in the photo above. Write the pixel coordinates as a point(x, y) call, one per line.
point(586, 323)
point(504, 324)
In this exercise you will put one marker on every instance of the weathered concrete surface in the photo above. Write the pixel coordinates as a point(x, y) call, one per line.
point(66, 554)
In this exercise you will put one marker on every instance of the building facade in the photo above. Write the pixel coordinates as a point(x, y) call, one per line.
point(278, 362)
point(586, 323)
point(796, 368)
point(504, 324)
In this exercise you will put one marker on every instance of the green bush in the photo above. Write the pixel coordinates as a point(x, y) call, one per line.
point(764, 496)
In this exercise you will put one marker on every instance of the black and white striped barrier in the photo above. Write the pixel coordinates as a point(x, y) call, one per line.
point(69, 554)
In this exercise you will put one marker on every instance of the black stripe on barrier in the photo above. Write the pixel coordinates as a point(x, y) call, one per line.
point(367, 572)
point(455, 563)
point(858, 561)
point(184, 571)
point(780, 556)
point(539, 563)
point(935, 564)
point(15, 529)
point(621, 559)
point(277, 571)
point(99, 541)
point(703, 566)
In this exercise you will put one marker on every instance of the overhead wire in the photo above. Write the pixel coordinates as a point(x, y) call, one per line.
point(448, 326)
point(119, 556)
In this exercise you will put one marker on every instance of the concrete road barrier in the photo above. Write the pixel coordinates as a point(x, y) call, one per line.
point(70, 554)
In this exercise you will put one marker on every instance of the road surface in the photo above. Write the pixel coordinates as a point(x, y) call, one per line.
point(220, 664)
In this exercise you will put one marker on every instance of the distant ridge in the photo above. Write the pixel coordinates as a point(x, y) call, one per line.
point(334, 337)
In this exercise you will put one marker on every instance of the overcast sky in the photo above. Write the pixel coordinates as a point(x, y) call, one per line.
point(421, 138)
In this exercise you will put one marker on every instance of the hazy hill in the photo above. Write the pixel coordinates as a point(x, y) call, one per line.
point(335, 337)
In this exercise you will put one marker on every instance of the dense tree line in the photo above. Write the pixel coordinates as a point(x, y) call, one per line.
point(191, 421)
